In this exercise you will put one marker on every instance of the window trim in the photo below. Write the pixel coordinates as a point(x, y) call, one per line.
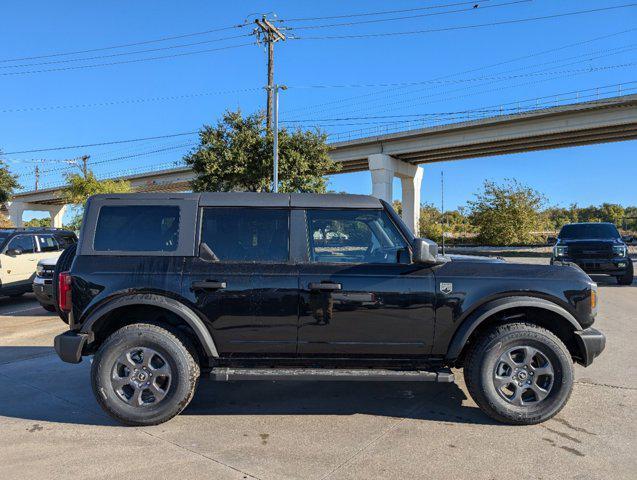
point(187, 220)
point(306, 231)
point(36, 238)
point(244, 262)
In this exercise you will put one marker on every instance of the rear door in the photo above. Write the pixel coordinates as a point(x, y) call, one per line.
point(243, 280)
point(360, 295)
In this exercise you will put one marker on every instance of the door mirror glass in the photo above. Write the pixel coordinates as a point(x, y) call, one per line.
point(628, 239)
point(551, 240)
point(424, 251)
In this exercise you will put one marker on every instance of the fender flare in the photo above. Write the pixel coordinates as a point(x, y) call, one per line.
point(473, 320)
point(161, 301)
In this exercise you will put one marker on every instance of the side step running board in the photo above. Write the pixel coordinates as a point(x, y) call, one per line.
point(331, 375)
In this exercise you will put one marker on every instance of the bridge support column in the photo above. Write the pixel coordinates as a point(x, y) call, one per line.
point(383, 169)
point(16, 211)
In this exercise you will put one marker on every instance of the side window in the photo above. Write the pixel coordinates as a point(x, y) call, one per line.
point(247, 234)
point(65, 241)
point(140, 228)
point(23, 243)
point(353, 236)
point(48, 243)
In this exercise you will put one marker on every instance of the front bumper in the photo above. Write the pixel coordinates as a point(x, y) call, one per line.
point(591, 343)
point(43, 290)
point(69, 346)
point(600, 266)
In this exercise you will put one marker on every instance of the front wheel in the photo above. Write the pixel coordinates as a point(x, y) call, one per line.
point(627, 278)
point(519, 373)
point(144, 374)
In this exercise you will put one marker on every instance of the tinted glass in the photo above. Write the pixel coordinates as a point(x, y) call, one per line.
point(247, 234)
point(141, 228)
point(48, 243)
point(353, 236)
point(65, 240)
point(23, 242)
point(589, 230)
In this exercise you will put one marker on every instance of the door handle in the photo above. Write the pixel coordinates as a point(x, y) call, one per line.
point(208, 285)
point(325, 287)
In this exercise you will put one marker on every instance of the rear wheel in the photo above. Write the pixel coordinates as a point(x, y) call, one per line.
point(48, 308)
point(519, 373)
point(144, 374)
point(627, 278)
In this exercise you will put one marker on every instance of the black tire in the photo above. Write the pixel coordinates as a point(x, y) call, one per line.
point(627, 278)
point(48, 308)
point(168, 346)
point(62, 265)
point(485, 357)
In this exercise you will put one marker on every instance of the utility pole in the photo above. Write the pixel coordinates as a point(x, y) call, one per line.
point(275, 143)
point(37, 177)
point(269, 34)
point(84, 165)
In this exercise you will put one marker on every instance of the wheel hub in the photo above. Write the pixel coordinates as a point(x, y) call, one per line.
point(141, 377)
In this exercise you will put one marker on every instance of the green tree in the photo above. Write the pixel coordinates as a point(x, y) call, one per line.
point(236, 155)
point(8, 182)
point(507, 214)
point(79, 187)
point(38, 222)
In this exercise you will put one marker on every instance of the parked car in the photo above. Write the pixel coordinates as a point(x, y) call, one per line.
point(598, 248)
point(244, 286)
point(20, 251)
point(43, 283)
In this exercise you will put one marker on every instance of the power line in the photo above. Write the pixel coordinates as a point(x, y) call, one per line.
point(131, 100)
point(113, 142)
point(174, 55)
point(484, 67)
point(121, 54)
point(124, 45)
point(465, 27)
point(384, 12)
point(407, 17)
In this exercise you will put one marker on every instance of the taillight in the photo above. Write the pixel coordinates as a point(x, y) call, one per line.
point(64, 291)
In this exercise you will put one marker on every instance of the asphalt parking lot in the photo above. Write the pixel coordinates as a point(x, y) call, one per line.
point(51, 427)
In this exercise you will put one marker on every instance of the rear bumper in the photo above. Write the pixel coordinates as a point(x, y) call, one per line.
point(69, 346)
point(591, 343)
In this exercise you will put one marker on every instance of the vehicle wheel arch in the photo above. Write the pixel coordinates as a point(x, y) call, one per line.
point(534, 310)
point(144, 308)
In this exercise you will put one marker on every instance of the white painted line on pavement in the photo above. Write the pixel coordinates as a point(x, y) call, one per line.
point(5, 314)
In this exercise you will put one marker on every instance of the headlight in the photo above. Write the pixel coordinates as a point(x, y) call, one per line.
point(560, 251)
point(39, 270)
point(620, 250)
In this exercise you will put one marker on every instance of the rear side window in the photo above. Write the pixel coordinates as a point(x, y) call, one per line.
point(65, 241)
point(142, 228)
point(24, 243)
point(247, 234)
point(48, 243)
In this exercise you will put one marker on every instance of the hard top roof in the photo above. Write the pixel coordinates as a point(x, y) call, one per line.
point(253, 199)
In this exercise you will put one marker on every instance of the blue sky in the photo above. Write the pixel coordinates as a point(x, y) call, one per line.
point(138, 99)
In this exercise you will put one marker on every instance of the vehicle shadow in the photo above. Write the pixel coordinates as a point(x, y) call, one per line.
point(608, 281)
point(31, 389)
point(414, 400)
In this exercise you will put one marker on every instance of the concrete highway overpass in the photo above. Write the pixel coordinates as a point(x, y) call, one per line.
point(400, 154)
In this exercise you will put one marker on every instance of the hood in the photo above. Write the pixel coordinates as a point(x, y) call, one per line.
point(48, 262)
point(474, 258)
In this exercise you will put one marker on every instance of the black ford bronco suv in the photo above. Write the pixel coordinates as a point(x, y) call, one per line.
point(256, 286)
point(597, 248)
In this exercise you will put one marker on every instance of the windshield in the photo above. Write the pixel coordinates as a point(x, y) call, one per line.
point(589, 230)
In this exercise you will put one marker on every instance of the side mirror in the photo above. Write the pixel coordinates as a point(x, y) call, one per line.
point(628, 239)
point(14, 252)
point(424, 251)
point(551, 240)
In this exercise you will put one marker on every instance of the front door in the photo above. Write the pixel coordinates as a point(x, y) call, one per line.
point(243, 281)
point(19, 262)
point(360, 295)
